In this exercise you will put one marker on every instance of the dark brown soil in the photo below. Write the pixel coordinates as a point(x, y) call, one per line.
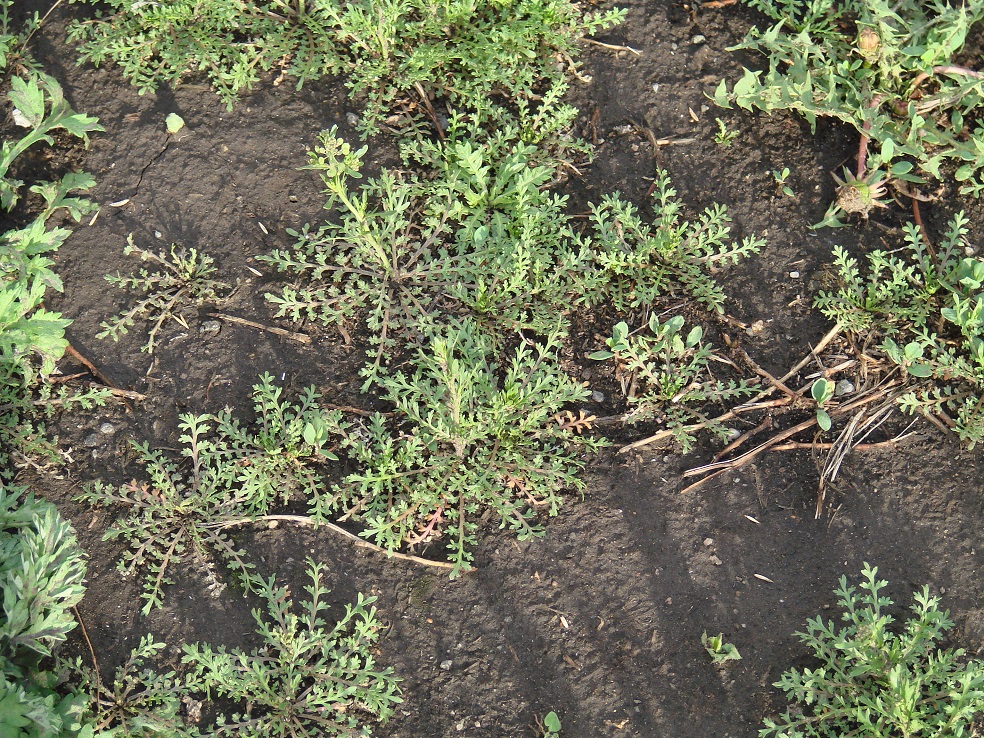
point(600, 620)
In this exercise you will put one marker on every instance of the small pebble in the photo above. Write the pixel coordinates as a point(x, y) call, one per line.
point(698, 39)
point(446, 664)
point(969, 251)
point(352, 119)
point(211, 327)
point(755, 328)
point(843, 387)
point(715, 560)
point(598, 396)
point(794, 275)
point(655, 86)
point(158, 234)
point(708, 542)
point(92, 440)
point(107, 429)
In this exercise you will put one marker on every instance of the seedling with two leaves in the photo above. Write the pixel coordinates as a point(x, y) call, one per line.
point(719, 651)
point(666, 377)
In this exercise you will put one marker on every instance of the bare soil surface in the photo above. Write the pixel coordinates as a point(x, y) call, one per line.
point(600, 620)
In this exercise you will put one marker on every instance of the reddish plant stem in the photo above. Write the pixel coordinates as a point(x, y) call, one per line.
point(942, 69)
point(863, 145)
point(917, 217)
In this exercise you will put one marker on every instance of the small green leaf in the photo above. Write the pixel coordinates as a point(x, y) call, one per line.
point(551, 722)
point(823, 419)
point(721, 95)
point(174, 123)
point(674, 324)
point(601, 355)
point(887, 150)
point(964, 173)
point(920, 370)
point(913, 350)
point(620, 332)
point(481, 235)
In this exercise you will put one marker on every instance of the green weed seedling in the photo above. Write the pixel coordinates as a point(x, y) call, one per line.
point(724, 137)
point(889, 70)
point(673, 375)
point(638, 262)
point(925, 311)
point(177, 516)
point(32, 338)
point(41, 579)
point(139, 700)
point(549, 726)
point(468, 437)
point(485, 58)
point(227, 476)
point(306, 679)
point(481, 237)
point(719, 651)
point(280, 456)
point(781, 178)
point(821, 391)
point(875, 680)
point(182, 283)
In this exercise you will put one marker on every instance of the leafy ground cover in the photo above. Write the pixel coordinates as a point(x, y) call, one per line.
point(638, 306)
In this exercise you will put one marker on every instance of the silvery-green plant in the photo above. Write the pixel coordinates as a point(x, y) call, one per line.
point(873, 679)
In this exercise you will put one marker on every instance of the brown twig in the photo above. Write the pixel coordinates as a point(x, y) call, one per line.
point(777, 383)
point(354, 410)
point(863, 144)
point(432, 114)
point(299, 337)
point(941, 69)
point(740, 461)
point(753, 404)
point(917, 217)
point(766, 423)
point(360, 542)
point(823, 446)
point(92, 653)
point(70, 350)
point(614, 47)
point(126, 394)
